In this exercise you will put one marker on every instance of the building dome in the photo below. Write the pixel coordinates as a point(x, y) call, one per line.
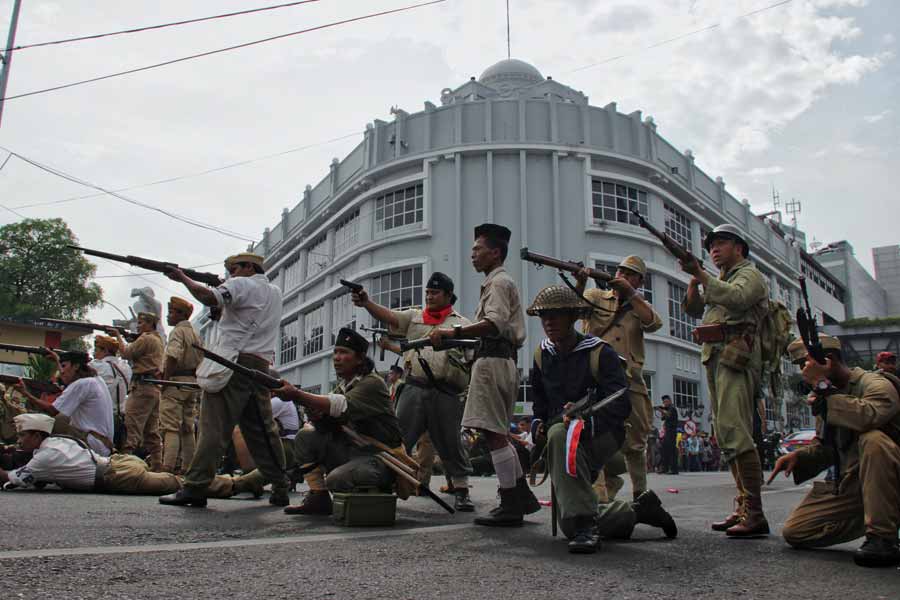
point(510, 74)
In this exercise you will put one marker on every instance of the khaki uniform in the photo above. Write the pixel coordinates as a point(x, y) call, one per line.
point(127, 474)
point(142, 404)
point(865, 417)
point(494, 384)
point(176, 406)
point(433, 412)
point(626, 336)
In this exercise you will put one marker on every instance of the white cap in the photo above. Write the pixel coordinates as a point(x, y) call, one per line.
point(34, 422)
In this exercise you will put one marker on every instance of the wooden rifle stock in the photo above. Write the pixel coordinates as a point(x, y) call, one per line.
point(210, 279)
point(674, 248)
point(42, 387)
point(562, 265)
point(259, 377)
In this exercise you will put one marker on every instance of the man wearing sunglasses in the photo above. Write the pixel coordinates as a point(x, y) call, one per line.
point(247, 332)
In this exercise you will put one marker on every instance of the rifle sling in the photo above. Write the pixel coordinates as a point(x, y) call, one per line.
point(568, 283)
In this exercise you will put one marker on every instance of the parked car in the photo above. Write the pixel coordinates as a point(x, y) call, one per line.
point(796, 440)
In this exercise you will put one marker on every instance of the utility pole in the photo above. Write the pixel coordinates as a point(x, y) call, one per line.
point(6, 57)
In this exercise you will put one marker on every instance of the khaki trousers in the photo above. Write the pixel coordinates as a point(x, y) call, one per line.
point(637, 427)
point(245, 403)
point(731, 394)
point(142, 422)
point(127, 474)
point(868, 501)
point(176, 423)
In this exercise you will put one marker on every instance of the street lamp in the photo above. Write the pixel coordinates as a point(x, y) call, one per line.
point(124, 316)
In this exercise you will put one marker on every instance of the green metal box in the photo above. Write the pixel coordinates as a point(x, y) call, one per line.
point(365, 509)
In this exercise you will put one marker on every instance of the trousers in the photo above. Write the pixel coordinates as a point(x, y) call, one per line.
point(142, 422)
point(732, 394)
point(128, 474)
point(176, 423)
point(347, 468)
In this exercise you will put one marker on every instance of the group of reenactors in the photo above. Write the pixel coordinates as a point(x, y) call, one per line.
point(591, 406)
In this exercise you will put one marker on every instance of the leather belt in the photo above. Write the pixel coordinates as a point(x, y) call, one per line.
point(184, 373)
point(287, 432)
point(99, 474)
point(495, 348)
point(427, 385)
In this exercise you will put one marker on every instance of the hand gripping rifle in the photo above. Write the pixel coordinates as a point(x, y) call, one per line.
point(129, 336)
point(264, 379)
point(41, 387)
point(806, 323)
point(210, 279)
point(563, 265)
point(674, 248)
point(585, 408)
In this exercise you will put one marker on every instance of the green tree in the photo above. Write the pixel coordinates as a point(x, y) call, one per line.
point(40, 277)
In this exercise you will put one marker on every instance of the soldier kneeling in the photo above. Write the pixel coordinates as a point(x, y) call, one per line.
point(569, 366)
point(361, 401)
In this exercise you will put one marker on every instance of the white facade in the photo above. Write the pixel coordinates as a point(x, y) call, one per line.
point(524, 151)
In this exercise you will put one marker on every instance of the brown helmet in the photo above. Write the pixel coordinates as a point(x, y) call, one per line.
point(635, 264)
point(558, 297)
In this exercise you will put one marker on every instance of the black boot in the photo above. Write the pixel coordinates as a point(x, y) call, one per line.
point(530, 503)
point(462, 502)
point(508, 514)
point(316, 502)
point(184, 497)
point(279, 497)
point(877, 552)
point(649, 511)
point(584, 541)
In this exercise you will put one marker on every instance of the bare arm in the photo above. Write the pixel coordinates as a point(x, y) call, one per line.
point(40, 403)
point(382, 313)
point(201, 292)
point(315, 402)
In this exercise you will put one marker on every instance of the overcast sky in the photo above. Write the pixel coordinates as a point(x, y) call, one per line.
point(802, 97)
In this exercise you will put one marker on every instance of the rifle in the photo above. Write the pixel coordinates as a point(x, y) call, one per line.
point(585, 408)
point(34, 385)
point(210, 279)
point(674, 248)
point(259, 377)
point(25, 349)
point(806, 323)
point(562, 265)
point(446, 344)
point(185, 385)
point(125, 333)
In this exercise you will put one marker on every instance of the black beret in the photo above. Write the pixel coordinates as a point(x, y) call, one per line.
point(493, 231)
point(347, 338)
point(439, 281)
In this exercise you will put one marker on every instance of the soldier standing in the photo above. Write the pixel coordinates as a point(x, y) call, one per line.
point(494, 384)
point(142, 404)
point(622, 319)
point(429, 401)
point(176, 407)
point(735, 304)
point(248, 330)
point(116, 373)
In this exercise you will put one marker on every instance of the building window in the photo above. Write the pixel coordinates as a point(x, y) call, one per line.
point(399, 208)
point(313, 389)
point(704, 231)
point(680, 323)
point(398, 289)
point(342, 315)
point(686, 394)
point(798, 416)
point(678, 227)
point(614, 202)
point(318, 258)
point(346, 234)
point(291, 274)
point(290, 332)
point(646, 289)
point(648, 383)
point(314, 330)
point(787, 298)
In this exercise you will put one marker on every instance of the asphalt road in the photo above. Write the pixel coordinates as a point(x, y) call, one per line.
point(66, 545)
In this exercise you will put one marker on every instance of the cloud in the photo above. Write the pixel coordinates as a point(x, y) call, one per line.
point(877, 117)
point(851, 148)
point(621, 19)
point(764, 171)
point(888, 39)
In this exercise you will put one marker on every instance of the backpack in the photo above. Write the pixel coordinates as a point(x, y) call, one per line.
point(774, 335)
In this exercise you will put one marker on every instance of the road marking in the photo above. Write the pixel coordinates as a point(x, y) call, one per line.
point(294, 539)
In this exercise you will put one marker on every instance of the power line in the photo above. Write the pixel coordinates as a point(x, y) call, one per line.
point(676, 38)
point(139, 276)
point(220, 50)
point(160, 26)
point(184, 219)
point(191, 175)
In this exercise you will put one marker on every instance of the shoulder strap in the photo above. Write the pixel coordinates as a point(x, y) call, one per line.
point(620, 314)
point(595, 361)
point(538, 356)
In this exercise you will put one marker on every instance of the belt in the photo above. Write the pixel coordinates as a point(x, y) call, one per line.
point(184, 373)
point(287, 432)
point(495, 348)
point(253, 361)
point(103, 439)
point(427, 385)
point(99, 474)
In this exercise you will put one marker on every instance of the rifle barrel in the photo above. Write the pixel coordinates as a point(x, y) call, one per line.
point(26, 349)
point(563, 265)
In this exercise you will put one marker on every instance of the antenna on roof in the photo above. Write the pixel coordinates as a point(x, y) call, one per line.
point(508, 53)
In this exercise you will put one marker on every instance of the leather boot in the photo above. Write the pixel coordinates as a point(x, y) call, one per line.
point(462, 502)
point(184, 497)
point(733, 519)
point(508, 514)
point(315, 502)
point(584, 541)
point(753, 524)
point(649, 511)
point(529, 502)
point(279, 497)
point(877, 552)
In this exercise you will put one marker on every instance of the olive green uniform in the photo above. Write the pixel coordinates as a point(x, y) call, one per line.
point(865, 416)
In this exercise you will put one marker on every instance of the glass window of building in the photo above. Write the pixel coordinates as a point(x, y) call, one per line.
point(291, 274)
point(686, 393)
point(678, 227)
point(646, 289)
point(612, 201)
point(314, 330)
point(704, 255)
point(342, 315)
point(346, 234)
point(786, 296)
point(290, 333)
point(399, 208)
point(648, 382)
point(680, 323)
point(398, 289)
point(318, 259)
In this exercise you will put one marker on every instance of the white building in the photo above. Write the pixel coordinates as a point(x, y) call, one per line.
point(515, 148)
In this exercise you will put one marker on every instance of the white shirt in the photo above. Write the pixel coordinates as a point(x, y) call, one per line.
point(286, 415)
point(60, 461)
point(249, 303)
point(114, 380)
point(87, 403)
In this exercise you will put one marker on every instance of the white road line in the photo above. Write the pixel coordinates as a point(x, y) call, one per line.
point(294, 539)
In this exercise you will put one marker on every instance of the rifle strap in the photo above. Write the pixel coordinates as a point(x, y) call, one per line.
point(621, 311)
point(431, 378)
point(569, 284)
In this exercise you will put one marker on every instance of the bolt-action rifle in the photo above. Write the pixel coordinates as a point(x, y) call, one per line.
point(446, 344)
point(129, 336)
point(674, 248)
point(562, 265)
point(259, 377)
point(26, 349)
point(806, 323)
point(210, 279)
point(183, 385)
point(41, 387)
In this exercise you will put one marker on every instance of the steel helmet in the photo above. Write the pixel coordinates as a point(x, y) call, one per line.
point(727, 231)
point(558, 297)
point(635, 264)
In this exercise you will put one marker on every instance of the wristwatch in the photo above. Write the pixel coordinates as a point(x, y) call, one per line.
point(822, 386)
point(457, 331)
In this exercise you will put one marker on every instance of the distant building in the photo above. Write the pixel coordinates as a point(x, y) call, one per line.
point(30, 332)
point(864, 296)
point(887, 274)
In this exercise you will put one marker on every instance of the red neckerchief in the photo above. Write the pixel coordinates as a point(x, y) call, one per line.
point(436, 317)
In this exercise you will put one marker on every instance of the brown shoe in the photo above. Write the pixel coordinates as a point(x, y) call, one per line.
point(753, 524)
point(732, 519)
point(314, 503)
